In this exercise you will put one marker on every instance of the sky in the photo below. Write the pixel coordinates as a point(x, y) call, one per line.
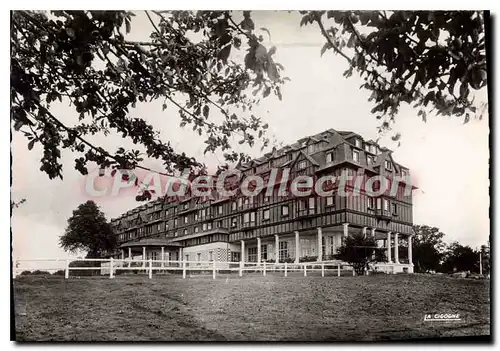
point(448, 160)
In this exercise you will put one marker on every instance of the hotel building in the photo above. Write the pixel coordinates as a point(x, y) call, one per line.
point(268, 227)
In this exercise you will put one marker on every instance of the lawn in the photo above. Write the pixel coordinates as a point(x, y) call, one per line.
point(251, 308)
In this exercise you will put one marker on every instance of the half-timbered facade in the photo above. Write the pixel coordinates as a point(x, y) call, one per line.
point(279, 226)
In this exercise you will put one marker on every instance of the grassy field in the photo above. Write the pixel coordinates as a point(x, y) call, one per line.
point(251, 308)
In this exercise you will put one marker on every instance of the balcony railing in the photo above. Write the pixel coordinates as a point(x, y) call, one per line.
point(306, 212)
point(248, 206)
point(248, 224)
point(384, 214)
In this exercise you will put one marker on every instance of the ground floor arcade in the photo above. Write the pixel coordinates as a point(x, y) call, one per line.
point(318, 245)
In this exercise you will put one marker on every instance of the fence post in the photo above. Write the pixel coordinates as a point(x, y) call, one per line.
point(66, 272)
point(353, 271)
point(305, 270)
point(150, 268)
point(213, 269)
point(338, 270)
point(183, 269)
point(286, 266)
point(264, 269)
point(322, 269)
point(111, 268)
point(241, 268)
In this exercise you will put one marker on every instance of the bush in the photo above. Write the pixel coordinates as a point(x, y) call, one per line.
point(308, 259)
point(287, 260)
point(38, 272)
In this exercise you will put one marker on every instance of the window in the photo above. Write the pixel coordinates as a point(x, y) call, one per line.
point(185, 231)
point(302, 164)
point(219, 224)
point(185, 219)
point(395, 209)
point(388, 165)
point(265, 214)
point(235, 256)
point(263, 252)
point(234, 221)
point(267, 198)
point(249, 217)
point(209, 226)
point(358, 143)
point(355, 155)
point(219, 209)
point(240, 202)
point(283, 250)
point(252, 254)
point(312, 203)
point(196, 229)
point(196, 216)
point(186, 206)
point(404, 173)
point(176, 233)
point(372, 149)
point(284, 210)
point(198, 258)
point(187, 257)
point(210, 256)
point(367, 147)
point(386, 205)
point(329, 157)
point(158, 227)
point(371, 203)
point(370, 160)
point(330, 201)
point(233, 205)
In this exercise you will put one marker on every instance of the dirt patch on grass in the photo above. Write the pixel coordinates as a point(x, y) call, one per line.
point(251, 308)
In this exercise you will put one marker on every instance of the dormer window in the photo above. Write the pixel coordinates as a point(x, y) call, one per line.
point(358, 143)
point(388, 165)
point(367, 148)
point(329, 157)
point(355, 155)
point(370, 160)
point(302, 164)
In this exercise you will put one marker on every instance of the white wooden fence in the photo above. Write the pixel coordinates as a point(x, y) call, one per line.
point(114, 265)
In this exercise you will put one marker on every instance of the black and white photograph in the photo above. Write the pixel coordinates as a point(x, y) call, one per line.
point(250, 175)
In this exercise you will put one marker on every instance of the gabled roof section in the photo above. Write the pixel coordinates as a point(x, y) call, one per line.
point(307, 157)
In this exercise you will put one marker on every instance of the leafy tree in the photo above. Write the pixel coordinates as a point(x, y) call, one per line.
point(88, 230)
point(432, 59)
point(358, 251)
point(428, 246)
point(460, 258)
point(82, 58)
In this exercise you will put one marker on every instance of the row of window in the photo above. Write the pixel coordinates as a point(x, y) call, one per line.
point(304, 206)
